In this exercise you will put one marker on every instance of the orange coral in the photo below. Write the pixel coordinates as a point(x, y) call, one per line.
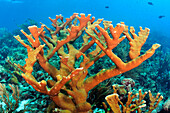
point(68, 78)
point(138, 102)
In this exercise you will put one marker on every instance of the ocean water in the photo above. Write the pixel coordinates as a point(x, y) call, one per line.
point(132, 12)
point(153, 14)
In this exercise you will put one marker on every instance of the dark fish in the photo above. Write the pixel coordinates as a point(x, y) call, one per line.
point(161, 16)
point(150, 3)
point(106, 6)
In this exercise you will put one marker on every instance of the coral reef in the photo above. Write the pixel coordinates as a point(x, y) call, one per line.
point(134, 102)
point(167, 105)
point(11, 102)
point(69, 85)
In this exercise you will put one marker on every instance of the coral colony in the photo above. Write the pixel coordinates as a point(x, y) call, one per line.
point(70, 84)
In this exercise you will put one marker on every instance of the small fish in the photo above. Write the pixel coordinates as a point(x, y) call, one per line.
point(161, 16)
point(150, 3)
point(106, 6)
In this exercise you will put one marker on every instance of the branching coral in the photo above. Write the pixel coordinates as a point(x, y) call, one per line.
point(73, 80)
point(133, 103)
point(11, 102)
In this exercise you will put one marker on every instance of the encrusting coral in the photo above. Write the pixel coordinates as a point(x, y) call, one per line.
point(71, 80)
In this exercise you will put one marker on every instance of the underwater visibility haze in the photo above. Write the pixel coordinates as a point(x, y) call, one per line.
point(84, 56)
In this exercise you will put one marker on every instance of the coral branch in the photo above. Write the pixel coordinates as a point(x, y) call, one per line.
point(5, 97)
point(70, 83)
point(136, 42)
point(138, 102)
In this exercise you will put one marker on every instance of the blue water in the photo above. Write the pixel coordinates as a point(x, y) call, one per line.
point(145, 13)
point(132, 12)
